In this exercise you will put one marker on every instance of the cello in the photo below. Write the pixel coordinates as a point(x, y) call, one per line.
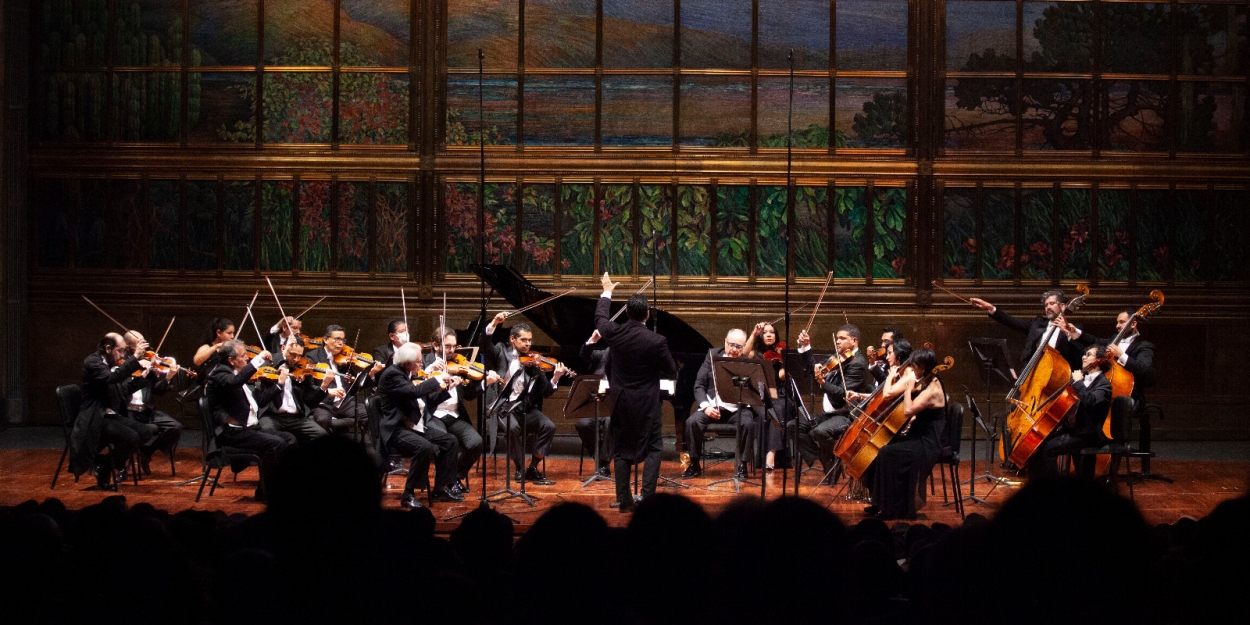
point(879, 420)
point(1122, 381)
point(1042, 395)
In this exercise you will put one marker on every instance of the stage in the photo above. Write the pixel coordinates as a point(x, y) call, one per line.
point(1204, 474)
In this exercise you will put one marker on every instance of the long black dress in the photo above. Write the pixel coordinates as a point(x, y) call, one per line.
point(902, 465)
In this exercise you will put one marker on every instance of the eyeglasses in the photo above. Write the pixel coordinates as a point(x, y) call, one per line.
point(336, 339)
point(735, 345)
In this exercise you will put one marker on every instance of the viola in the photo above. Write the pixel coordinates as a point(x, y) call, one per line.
point(834, 362)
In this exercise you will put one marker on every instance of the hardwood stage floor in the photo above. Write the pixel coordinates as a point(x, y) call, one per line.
point(1199, 486)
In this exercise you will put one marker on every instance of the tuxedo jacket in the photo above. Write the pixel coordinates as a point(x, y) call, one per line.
point(499, 357)
point(1140, 362)
point(465, 392)
point(307, 395)
point(150, 385)
point(595, 355)
point(398, 397)
point(640, 359)
point(853, 375)
point(705, 383)
point(98, 378)
point(321, 356)
point(1034, 329)
point(1095, 404)
point(225, 393)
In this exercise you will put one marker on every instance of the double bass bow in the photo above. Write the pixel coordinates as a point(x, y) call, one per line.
point(1042, 395)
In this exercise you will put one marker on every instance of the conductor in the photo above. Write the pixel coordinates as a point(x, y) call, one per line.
point(640, 359)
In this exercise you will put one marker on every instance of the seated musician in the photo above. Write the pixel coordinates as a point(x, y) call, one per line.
point(449, 415)
point(1054, 306)
point(104, 368)
point(818, 436)
point(1132, 352)
point(529, 386)
point(290, 409)
point(236, 406)
point(341, 410)
point(277, 336)
point(138, 393)
point(1084, 427)
point(219, 331)
point(403, 429)
point(763, 343)
point(595, 352)
point(713, 407)
point(898, 472)
point(397, 333)
point(880, 366)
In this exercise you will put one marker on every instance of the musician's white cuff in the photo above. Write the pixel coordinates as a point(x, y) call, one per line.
point(257, 361)
point(607, 294)
point(804, 348)
point(1123, 359)
point(490, 328)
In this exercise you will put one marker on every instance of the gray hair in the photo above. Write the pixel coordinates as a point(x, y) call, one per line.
point(230, 349)
point(407, 353)
point(1056, 293)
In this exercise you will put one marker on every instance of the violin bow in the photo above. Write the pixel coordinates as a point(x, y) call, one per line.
point(939, 286)
point(167, 328)
point(442, 330)
point(275, 298)
point(248, 311)
point(119, 324)
point(314, 305)
point(639, 291)
point(538, 303)
point(812, 318)
point(404, 300)
point(783, 317)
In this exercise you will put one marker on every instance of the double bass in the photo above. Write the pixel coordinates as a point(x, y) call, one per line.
point(1043, 395)
point(878, 420)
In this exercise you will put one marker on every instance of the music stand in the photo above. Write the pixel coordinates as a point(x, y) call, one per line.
point(748, 377)
point(584, 399)
point(993, 365)
point(504, 407)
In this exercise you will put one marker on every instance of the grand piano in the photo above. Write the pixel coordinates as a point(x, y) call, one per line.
point(570, 320)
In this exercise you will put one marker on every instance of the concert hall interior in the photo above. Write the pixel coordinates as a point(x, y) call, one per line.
point(1048, 200)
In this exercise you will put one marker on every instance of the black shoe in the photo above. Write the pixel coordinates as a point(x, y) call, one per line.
point(122, 474)
point(693, 471)
point(145, 458)
point(409, 502)
point(457, 489)
point(872, 511)
point(604, 471)
point(534, 476)
point(103, 475)
point(447, 495)
point(741, 473)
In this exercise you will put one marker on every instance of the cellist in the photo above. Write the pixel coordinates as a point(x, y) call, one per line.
point(899, 469)
point(1132, 351)
point(1053, 303)
point(1084, 427)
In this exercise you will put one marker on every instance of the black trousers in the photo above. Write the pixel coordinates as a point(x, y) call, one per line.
point(818, 436)
point(425, 447)
point(168, 430)
point(1044, 461)
point(467, 438)
point(586, 431)
point(650, 468)
point(255, 440)
point(537, 426)
point(120, 432)
point(304, 429)
point(348, 416)
point(699, 421)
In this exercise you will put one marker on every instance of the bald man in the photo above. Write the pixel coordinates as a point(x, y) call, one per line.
point(712, 408)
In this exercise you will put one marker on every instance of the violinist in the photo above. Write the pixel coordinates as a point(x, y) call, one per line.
point(595, 353)
point(340, 410)
point(93, 431)
point(1083, 428)
point(449, 415)
point(290, 408)
point(403, 430)
point(277, 336)
point(898, 472)
point(529, 386)
point(818, 436)
point(711, 407)
point(763, 343)
point(1132, 351)
point(219, 331)
point(397, 332)
point(879, 364)
point(1054, 305)
point(236, 406)
point(138, 393)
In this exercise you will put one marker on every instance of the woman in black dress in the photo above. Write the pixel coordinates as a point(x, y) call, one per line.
point(902, 464)
point(763, 343)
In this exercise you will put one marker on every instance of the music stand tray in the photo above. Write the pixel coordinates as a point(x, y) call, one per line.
point(585, 396)
point(748, 376)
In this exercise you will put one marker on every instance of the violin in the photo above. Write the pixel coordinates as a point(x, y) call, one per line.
point(304, 368)
point(311, 343)
point(774, 353)
point(161, 365)
point(544, 364)
point(875, 354)
point(350, 356)
point(834, 362)
point(461, 366)
point(266, 373)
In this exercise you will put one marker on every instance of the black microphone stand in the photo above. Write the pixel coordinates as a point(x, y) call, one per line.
point(796, 461)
